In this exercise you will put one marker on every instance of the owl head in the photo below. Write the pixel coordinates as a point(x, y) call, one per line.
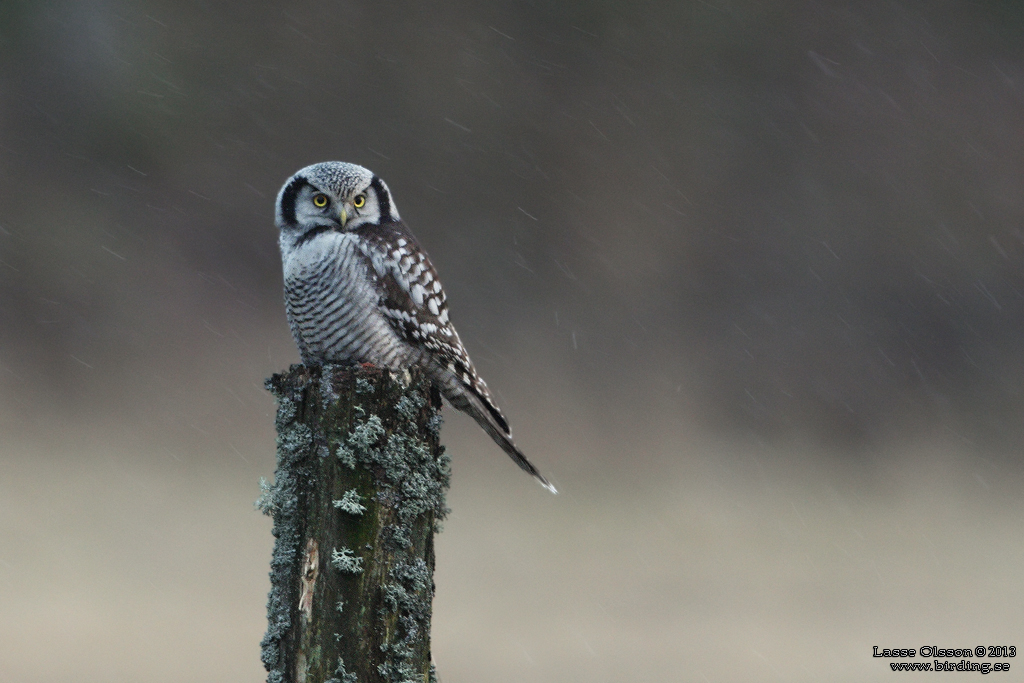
point(333, 195)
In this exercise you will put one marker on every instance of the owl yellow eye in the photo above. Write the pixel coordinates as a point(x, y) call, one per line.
point(359, 201)
point(320, 200)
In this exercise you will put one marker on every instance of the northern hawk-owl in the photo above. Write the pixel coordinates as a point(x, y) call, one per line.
point(358, 288)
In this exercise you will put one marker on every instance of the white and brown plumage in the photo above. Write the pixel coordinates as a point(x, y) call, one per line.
point(359, 289)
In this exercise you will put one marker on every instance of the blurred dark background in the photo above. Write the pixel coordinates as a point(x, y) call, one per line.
point(746, 276)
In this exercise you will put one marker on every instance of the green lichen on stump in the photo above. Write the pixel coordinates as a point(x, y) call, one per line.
point(357, 497)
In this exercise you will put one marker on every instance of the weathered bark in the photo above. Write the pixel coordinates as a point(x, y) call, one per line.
point(357, 497)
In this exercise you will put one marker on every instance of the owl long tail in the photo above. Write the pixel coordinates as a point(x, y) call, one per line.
point(482, 409)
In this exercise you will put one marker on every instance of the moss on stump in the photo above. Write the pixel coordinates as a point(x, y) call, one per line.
point(358, 494)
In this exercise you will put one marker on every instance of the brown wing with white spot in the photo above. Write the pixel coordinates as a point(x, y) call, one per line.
point(414, 303)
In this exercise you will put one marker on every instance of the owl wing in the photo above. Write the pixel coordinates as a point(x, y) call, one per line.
point(414, 303)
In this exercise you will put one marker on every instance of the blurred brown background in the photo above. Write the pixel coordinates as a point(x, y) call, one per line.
point(746, 276)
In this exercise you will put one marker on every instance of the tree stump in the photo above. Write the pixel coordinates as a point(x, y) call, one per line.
point(358, 494)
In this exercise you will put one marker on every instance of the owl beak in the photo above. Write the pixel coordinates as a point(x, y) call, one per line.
point(344, 216)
